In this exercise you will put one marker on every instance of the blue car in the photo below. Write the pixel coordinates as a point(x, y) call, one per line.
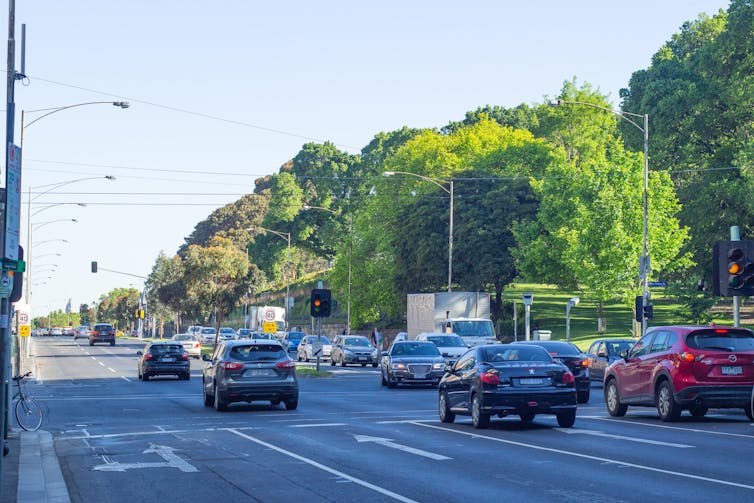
point(292, 339)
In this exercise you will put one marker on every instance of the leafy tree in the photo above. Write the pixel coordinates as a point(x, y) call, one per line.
point(85, 314)
point(118, 306)
point(166, 289)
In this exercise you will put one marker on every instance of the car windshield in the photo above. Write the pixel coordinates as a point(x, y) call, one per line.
point(295, 336)
point(324, 339)
point(244, 331)
point(356, 341)
point(161, 349)
point(257, 352)
point(446, 341)
point(474, 328)
point(414, 349)
point(519, 353)
point(208, 330)
point(721, 339)
point(97, 327)
point(227, 330)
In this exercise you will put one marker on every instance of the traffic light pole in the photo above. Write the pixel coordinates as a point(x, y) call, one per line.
point(319, 340)
point(736, 236)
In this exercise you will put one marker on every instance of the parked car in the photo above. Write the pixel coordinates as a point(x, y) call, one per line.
point(208, 335)
point(305, 349)
point(291, 340)
point(81, 332)
point(194, 329)
point(412, 362)
point(68, 330)
point(677, 368)
point(227, 333)
point(191, 343)
point(56, 331)
point(507, 379)
point(451, 345)
point(576, 361)
point(355, 349)
point(102, 332)
point(163, 358)
point(602, 353)
point(244, 333)
point(246, 371)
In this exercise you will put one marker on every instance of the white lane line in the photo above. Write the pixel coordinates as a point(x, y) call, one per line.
point(593, 458)
point(125, 379)
point(111, 369)
point(101, 363)
point(314, 425)
point(388, 442)
point(596, 433)
point(404, 421)
point(364, 483)
point(684, 429)
point(93, 358)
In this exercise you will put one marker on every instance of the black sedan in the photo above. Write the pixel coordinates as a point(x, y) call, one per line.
point(576, 361)
point(163, 358)
point(603, 352)
point(412, 362)
point(249, 370)
point(506, 379)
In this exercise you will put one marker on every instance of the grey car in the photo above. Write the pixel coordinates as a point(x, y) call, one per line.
point(412, 362)
point(352, 349)
point(247, 371)
point(161, 358)
point(603, 352)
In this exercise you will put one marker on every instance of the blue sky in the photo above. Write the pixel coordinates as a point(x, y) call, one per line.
point(225, 92)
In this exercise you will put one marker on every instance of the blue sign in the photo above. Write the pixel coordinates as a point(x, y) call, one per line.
point(658, 283)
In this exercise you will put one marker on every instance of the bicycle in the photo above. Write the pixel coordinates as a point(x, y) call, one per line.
point(27, 410)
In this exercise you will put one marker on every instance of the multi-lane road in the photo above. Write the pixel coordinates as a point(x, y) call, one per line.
point(119, 439)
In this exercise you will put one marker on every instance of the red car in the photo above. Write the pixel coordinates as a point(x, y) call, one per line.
point(679, 368)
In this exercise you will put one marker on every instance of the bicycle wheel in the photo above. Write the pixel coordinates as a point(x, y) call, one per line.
point(28, 414)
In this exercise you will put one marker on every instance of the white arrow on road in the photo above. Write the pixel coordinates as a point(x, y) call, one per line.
point(388, 442)
point(167, 453)
point(621, 437)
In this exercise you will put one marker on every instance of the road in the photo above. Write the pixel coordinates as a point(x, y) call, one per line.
point(121, 440)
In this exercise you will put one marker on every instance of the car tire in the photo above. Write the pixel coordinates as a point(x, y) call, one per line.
point(144, 376)
point(291, 404)
point(91, 343)
point(298, 357)
point(382, 378)
point(275, 402)
point(527, 417)
point(667, 407)
point(363, 364)
point(186, 376)
point(374, 365)
point(612, 400)
point(479, 419)
point(390, 383)
point(445, 415)
point(698, 411)
point(332, 362)
point(112, 343)
point(209, 400)
point(343, 362)
point(750, 413)
point(582, 397)
point(567, 418)
point(218, 402)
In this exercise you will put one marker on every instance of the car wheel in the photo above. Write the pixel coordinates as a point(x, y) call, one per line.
point(220, 405)
point(343, 362)
point(332, 362)
point(382, 378)
point(527, 417)
point(390, 382)
point(750, 412)
point(291, 404)
point(374, 365)
point(612, 400)
point(363, 364)
point(187, 376)
point(91, 343)
point(698, 411)
point(445, 415)
point(567, 418)
point(667, 407)
point(275, 402)
point(112, 343)
point(209, 400)
point(582, 396)
point(479, 419)
point(144, 376)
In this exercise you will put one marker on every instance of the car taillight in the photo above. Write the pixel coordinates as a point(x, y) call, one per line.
point(231, 365)
point(568, 378)
point(196, 345)
point(184, 356)
point(94, 332)
point(690, 357)
point(489, 378)
point(148, 356)
point(584, 363)
point(288, 364)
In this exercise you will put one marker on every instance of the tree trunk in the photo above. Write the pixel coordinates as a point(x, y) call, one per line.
point(497, 304)
point(601, 325)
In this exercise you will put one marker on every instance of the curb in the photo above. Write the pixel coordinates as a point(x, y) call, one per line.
point(39, 476)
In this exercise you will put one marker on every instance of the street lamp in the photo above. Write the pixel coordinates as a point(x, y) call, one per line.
point(350, 253)
point(572, 302)
point(287, 237)
point(42, 224)
point(40, 210)
point(644, 262)
point(439, 183)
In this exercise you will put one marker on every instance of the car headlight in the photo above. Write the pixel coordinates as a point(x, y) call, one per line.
point(438, 366)
point(348, 352)
point(399, 366)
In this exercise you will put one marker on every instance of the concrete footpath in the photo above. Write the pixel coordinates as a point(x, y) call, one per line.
point(31, 470)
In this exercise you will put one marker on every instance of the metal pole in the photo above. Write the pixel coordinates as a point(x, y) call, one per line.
point(450, 241)
point(645, 265)
point(350, 254)
point(319, 339)
point(568, 321)
point(527, 309)
point(288, 282)
point(735, 236)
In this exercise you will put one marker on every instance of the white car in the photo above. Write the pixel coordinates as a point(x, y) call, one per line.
point(191, 343)
point(208, 335)
point(305, 350)
point(227, 333)
point(451, 345)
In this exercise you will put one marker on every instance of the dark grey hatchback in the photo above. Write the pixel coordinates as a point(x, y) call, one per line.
point(164, 358)
point(249, 370)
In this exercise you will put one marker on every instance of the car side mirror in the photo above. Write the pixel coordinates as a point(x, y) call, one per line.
point(205, 357)
point(624, 354)
point(448, 368)
point(139, 353)
point(602, 354)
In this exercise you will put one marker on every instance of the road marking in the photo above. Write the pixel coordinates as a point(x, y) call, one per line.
point(314, 425)
point(596, 433)
point(315, 464)
point(388, 442)
point(172, 460)
point(684, 429)
point(111, 369)
point(587, 456)
point(404, 421)
point(101, 363)
point(125, 378)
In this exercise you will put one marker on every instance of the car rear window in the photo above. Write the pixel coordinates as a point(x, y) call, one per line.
point(519, 354)
point(162, 349)
point(103, 327)
point(255, 352)
point(560, 348)
point(721, 339)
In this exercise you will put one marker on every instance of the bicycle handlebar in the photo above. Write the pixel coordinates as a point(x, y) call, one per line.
point(19, 377)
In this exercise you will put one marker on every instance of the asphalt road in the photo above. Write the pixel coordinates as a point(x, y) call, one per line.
point(121, 440)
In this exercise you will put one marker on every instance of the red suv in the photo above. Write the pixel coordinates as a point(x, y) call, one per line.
point(684, 368)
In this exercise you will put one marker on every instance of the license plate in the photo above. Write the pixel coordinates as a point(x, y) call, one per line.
point(420, 376)
point(732, 371)
point(258, 372)
point(362, 358)
point(166, 360)
point(530, 381)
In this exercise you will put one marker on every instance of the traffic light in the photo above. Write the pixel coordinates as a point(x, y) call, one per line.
point(321, 303)
point(94, 266)
point(733, 268)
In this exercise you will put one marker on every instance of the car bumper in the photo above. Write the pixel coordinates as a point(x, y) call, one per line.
point(242, 392)
point(166, 369)
point(359, 359)
point(720, 397)
point(546, 402)
point(405, 377)
point(102, 339)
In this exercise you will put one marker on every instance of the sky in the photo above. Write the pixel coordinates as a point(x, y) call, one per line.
point(222, 93)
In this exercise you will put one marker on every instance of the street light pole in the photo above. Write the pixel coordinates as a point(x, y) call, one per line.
point(644, 265)
point(449, 190)
point(287, 237)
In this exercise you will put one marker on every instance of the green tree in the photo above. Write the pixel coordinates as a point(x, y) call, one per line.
point(118, 307)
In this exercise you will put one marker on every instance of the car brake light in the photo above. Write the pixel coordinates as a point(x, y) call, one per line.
point(720, 331)
point(196, 344)
point(94, 332)
point(489, 378)
point(148, 356)
point(288, 364)
point(568, 378)
point(690, 357)
point(185, 356)
point(231, 365)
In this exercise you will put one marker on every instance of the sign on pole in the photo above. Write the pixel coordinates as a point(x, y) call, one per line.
point(13, 203)
point(24, 330)
point(269, 327)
